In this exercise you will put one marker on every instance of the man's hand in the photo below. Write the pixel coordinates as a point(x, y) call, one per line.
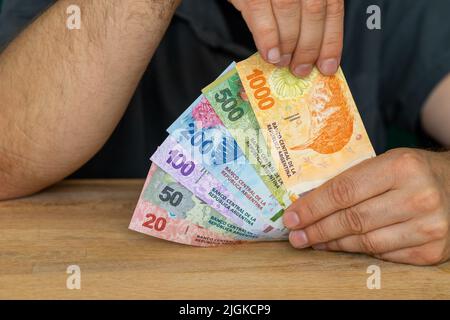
point(395, 207)
point(299, 33)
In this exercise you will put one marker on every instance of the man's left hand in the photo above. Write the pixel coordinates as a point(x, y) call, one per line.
point(395, 207)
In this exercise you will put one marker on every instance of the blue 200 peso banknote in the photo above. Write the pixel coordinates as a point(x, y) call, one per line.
point(201, 132)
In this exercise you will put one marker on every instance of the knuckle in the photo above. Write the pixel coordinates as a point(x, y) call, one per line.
point(440, 230)
point(307, 50)
point(266, 31)
point(430, 257)
point(408, 162)
point(307, 211)
point(342, 191)
point(330, 50)
point(351, 219)
point(307, 53)
point(427, 201)
point(314, 7)
point(288, 44)
point(332, 44)
point(284, 5)
point(337, 245)
point(436, 231)
point(412, 160)
point(331, 245)
point(369, 245)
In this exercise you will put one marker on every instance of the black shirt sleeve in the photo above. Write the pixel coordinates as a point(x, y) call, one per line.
point(415, 56)
point(16, 15)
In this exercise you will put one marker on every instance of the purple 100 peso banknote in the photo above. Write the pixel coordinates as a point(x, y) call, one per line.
point(150, 219)
point(176, 161)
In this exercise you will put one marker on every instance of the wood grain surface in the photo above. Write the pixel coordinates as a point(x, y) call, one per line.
point(85, 222)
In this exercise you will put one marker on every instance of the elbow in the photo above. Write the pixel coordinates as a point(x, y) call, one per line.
point(19, 177)
point(7, 195)
point(12, 187)
point(25, 179)
point(9, 184)
point(8, 192)
point(11, 193)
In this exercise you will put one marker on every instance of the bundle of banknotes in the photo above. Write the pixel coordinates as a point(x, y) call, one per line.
point(253, 142)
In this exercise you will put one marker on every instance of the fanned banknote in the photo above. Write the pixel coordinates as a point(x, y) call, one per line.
point(200, 131)
point(153, 220)
point(311, 125)
point(176, 161)
point(229, 100)
point(180, 203)
point(257, 139)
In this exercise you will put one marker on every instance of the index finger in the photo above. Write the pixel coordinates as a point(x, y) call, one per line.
point(261, 21)
point(359, 183)
point(331, 51)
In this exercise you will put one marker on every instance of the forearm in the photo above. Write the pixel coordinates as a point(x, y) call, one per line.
point(436, 113)
point(62, 91)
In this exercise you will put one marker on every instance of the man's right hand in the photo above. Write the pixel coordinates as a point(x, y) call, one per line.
point(298, 33)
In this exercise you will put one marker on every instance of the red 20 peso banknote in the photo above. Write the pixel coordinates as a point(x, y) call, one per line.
point(155, 221)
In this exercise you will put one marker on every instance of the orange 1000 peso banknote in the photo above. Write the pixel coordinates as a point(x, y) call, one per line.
point(311, 125)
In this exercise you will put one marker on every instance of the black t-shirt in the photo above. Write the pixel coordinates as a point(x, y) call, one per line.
point(390, 71)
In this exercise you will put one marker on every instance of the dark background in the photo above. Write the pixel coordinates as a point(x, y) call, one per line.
point(397, 137)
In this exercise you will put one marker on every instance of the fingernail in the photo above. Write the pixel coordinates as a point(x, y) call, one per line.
point(328, 67)
point(298, 239)
point(320, 246)
point(303, 70)
point(291, 219)
point(285, 60)
point(273, 55)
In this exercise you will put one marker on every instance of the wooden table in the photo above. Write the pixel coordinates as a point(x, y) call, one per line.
point(85, 223)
